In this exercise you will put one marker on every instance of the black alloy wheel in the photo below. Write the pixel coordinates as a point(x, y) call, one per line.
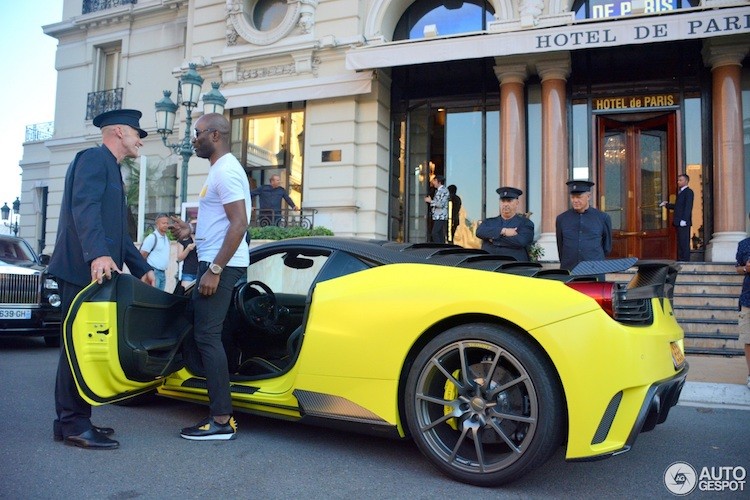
point(484, 404)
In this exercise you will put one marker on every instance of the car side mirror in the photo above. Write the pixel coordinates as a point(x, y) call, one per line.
point(44, 259)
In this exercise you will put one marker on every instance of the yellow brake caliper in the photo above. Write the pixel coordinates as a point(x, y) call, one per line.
point(450, 394)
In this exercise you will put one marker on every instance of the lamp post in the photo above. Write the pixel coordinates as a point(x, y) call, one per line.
point(6, 215)
point(188, 90)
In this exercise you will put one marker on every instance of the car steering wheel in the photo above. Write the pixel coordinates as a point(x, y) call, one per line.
point(260, 310)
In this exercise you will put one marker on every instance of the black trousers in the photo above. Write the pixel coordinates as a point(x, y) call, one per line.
point(683, 243)
point(439, 231)
point(208, 321)
point(73, 413)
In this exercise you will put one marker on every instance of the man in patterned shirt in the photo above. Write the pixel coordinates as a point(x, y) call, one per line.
point(439, 207)
point(743, 267)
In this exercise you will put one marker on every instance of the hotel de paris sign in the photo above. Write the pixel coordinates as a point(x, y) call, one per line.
point(693, 24)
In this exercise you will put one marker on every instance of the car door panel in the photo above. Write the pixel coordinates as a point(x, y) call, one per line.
point(123, 336)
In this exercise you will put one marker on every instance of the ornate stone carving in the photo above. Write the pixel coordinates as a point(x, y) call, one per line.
point(231, 34)
point(266, 72)
point(299, 66)
point(307, 15)
point(530, 10)
point(300, 15)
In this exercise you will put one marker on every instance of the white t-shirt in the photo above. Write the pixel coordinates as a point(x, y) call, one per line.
point(226, 183)
point(157, 246)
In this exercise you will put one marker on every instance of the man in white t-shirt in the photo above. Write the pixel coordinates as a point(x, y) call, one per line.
point(223, 215)
point(155, 249)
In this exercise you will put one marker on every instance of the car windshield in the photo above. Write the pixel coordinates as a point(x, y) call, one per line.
point(14, 251)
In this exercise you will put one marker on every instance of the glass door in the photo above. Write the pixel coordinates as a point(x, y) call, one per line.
point(455, 140)
point(419, 171)
point(637, 170)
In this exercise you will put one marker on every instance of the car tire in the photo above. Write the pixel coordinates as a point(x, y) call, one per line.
point(52, 340)
point(484, 404)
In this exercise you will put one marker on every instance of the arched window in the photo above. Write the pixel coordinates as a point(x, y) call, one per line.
point(604, 9)
point(449, 17)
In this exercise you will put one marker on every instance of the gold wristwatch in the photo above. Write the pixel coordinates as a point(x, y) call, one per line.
point(215, 268)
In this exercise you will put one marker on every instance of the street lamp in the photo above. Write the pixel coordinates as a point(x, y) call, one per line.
point(188, 90)
point(6, 215)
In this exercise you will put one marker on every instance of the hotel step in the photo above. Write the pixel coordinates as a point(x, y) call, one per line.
point(705, 305)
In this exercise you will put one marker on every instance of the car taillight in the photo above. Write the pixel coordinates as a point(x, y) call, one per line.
point(603, 292)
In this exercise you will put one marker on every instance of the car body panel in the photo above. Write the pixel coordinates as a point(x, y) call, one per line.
point(618, 358)
point(364, 325)
point(340, 334)
point(100, 374)
point(93, 325)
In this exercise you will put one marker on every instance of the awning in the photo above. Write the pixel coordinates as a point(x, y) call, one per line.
point(309, 89)
point(588, 34)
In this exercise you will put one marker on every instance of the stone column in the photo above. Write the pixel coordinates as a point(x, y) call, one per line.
point(553, 73)
point(724, 56)
point(512, 127)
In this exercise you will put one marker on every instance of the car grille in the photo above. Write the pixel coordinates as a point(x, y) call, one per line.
point(20, 288)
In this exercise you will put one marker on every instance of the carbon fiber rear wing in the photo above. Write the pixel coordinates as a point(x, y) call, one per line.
point(655, 278)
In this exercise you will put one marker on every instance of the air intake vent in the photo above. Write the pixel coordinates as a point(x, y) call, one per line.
point(632, 311)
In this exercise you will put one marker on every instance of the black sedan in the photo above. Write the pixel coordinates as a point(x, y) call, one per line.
point(29, 297)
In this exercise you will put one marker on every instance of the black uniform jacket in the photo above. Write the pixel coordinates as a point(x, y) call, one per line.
point(93, 219)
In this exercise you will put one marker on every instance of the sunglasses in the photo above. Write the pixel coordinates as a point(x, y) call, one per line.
point(197, 132)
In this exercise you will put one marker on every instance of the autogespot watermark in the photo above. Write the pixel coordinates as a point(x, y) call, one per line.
point(681, 478)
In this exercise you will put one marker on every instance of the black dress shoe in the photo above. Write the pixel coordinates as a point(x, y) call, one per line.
point(57, 432)
point(92, 439)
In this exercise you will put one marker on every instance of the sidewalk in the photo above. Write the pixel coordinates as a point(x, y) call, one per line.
point(716, 381)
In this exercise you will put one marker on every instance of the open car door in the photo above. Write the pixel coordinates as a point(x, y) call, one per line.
point(123, 337)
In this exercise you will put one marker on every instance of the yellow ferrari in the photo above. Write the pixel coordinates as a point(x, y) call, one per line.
point(488, 365)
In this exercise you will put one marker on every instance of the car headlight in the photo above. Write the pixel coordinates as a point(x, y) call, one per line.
point(54, 300)
point(50, 284)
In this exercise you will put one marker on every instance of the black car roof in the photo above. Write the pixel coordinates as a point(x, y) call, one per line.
point(388, 252)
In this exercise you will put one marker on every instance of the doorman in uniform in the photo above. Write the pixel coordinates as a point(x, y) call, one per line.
point(583, 232)
point(92, 243)
point(683, 210)
point(510, 233)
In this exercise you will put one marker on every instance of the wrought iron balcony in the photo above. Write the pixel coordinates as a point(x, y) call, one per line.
point(285, 218)
point(90, 6)
point(105, 100)
point(39, 131)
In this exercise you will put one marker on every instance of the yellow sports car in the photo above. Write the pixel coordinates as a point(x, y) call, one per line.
point(488, 365)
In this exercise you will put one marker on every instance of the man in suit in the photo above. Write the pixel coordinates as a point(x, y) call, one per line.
point(510, 233)
point(92, 242)
point(683, 210)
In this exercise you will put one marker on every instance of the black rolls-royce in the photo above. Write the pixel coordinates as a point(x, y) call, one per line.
point(29, 297)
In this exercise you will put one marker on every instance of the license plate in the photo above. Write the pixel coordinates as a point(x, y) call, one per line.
point(15, 313)
point(678, 357)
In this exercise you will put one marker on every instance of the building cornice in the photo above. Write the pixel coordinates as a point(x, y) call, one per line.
point(115, 15)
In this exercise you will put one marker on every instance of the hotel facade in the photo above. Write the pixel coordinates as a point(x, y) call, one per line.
point(356, 104)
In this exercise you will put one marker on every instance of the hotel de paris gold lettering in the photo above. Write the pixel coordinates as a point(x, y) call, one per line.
point(634, 102)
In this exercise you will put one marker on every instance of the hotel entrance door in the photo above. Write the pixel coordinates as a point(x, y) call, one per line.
point(637, 170)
